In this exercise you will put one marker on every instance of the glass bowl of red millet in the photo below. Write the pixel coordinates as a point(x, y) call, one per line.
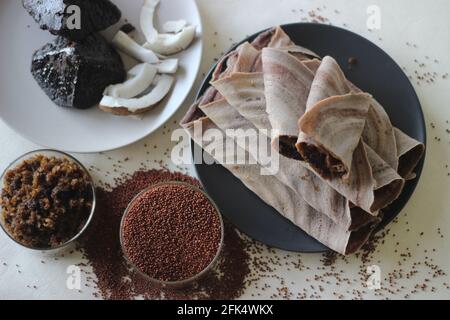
point(172, 234)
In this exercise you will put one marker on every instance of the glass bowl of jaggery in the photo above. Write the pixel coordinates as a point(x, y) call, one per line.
point(47, 200)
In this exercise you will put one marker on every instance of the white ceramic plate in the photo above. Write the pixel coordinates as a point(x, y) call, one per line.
point(26, 108)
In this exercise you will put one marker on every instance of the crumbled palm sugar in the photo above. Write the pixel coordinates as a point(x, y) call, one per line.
point(45, 201)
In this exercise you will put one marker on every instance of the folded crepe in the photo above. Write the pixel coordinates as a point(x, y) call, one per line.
point(244, 108)
point(276, 194)
point(398, 150)
point(277, 38)
point(288, 82)
point(409, 152)
point(332, 124)
point(378, 131)
point(240, 59)
point(334, 213)
point(378, 137)
point(333, 129)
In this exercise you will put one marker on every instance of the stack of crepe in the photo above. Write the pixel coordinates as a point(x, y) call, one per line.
point(341, 161)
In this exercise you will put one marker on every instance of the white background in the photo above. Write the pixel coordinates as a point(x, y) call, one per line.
point(424, 23)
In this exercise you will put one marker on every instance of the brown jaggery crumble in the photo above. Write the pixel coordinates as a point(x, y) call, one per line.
point(45, 201)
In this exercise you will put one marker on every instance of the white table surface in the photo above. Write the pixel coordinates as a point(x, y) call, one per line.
point(422, 24)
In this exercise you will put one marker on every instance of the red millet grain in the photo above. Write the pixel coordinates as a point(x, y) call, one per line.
point(227, 280)
point(172, 232)
point(116, 281)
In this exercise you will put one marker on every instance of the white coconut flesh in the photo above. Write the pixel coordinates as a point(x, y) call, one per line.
point(164, 66)
point(126, 44)
point(140, 79)
point(169, 44)
point(137, 69)
point(162, 86)
point(174, 26)
point(168, 66)
point(164, 43)
point(160, 56)
point(146, 19)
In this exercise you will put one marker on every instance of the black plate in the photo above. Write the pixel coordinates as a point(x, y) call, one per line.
point(376, 73)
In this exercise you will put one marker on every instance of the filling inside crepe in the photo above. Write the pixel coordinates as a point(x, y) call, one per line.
point(322, 161)
point(286, 146)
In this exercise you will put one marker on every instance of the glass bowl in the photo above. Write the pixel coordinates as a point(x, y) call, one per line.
point(180, 284)
point(58, 154)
